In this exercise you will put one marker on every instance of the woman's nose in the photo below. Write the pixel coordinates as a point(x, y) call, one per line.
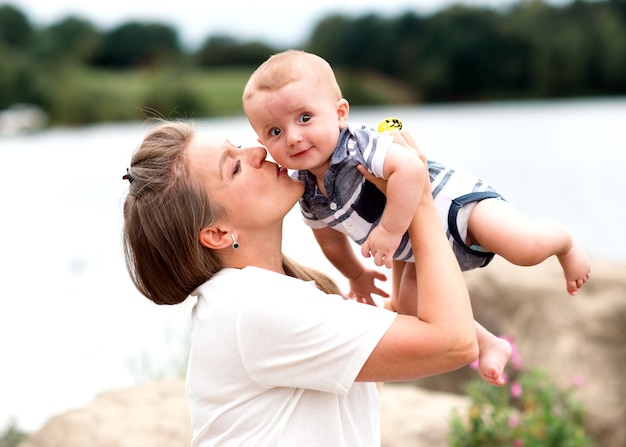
point(258, 155)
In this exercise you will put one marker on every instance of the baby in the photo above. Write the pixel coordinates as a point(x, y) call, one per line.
point(295, 106)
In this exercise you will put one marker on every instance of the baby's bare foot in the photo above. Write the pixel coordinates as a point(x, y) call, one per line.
point(576, 268)
point(492, 359)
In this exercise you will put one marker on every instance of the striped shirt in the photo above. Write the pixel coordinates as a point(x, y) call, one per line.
point(354, 206)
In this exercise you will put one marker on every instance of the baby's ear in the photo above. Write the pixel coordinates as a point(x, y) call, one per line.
point(343, 110)
point(214, 238)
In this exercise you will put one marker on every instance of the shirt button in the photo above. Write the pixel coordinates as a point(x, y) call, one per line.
point(333, 206)
point(352, 229)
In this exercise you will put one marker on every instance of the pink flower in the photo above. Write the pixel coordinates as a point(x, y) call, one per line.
point(513, 421)
point(516, 357)
point(578, 380)
point(516, 389)
point(518, 443)
point(474, 365)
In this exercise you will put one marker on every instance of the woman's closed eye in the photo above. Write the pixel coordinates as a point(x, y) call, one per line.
point(237, 168)
point(232, 153)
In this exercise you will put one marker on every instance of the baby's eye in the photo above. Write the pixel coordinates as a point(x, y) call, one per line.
point(305, 117)
point(275, 132)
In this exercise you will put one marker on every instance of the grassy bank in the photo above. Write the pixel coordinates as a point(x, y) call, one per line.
point(77, 96)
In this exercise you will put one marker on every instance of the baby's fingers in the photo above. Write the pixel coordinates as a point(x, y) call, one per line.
point(380, 259)
point(388, 261)
point(365, 250)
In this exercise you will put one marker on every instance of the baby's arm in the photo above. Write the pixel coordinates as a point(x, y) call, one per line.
point(338, 250)
point(404, 172)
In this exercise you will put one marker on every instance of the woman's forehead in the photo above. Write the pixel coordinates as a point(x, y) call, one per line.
point(205, 151)
point(208, 141)
point(207, 146)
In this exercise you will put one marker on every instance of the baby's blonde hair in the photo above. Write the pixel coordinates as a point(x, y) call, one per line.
point(290, 66)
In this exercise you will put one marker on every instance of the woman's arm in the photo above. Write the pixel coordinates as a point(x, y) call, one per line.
point(405, 175)
point(442, 336)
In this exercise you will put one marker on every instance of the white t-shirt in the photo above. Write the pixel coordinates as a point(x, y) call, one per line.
point(273, 362)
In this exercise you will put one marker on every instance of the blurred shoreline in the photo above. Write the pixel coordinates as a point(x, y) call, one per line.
point(72, 322)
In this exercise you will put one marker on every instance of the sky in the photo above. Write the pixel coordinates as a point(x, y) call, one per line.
point(275, 22)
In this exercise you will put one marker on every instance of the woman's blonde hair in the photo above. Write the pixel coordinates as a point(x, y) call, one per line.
point(164, 211)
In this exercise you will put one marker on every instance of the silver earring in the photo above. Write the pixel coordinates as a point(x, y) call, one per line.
point(235, 243)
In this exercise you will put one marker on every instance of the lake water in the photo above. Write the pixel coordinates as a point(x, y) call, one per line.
point(71, 323)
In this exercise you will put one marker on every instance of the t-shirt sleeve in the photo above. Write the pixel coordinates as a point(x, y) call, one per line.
point(300, 337)
point(382, 144)
point(371, 148)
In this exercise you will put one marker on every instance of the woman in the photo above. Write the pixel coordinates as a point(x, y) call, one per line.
point(275, 360)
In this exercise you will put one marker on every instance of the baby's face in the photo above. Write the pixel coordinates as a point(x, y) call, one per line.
point(298, 124)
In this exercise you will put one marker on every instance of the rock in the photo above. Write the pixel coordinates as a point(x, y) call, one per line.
point(154, 414)
point(22, 118)
point(414, 417)
point(569, 337)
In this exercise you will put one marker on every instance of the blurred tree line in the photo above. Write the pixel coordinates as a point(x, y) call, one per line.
point(77, 73)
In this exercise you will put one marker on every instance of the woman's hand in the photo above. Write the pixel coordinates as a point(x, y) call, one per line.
point(405, 139)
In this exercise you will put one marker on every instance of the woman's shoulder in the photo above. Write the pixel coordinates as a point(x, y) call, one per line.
point(254, 294)
point(252, 279)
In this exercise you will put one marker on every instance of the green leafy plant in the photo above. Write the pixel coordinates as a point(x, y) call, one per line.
point(12, 435)
point(529, 411)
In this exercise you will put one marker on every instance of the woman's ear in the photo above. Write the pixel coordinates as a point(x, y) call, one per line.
point(214, 238)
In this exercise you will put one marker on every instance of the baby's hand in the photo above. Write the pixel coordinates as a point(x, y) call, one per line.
point(381, 244)
point(363, 286)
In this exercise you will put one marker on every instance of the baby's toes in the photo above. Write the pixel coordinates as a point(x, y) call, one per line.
point(573, 286)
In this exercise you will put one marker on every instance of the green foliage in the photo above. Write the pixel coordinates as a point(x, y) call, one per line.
point(365, 88)
point(225, 51)
point(78, 96)
point(529, 411)
point(465, 54)
point(138, 45)
point(367, 42)
point(12, 436)
point(71, 40)
point(15, 29)
point(460, 53)
point(170, 360)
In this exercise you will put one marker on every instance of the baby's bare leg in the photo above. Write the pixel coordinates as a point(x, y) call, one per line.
point(576, 268)
point(396, 277)
point(404, 288)
point(494, 353)
point(498, 227)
